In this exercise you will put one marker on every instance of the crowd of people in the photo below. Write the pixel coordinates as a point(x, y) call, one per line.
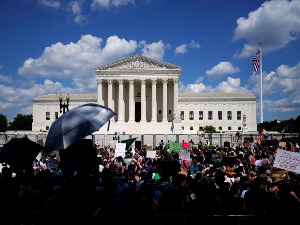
point(216, 184)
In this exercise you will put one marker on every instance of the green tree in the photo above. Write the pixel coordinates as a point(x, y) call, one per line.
point(3, 123)
point(209, 129)
point(21, 122)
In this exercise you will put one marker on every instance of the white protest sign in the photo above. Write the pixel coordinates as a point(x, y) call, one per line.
point(184, 155)
point(287, 160)
point(151, 154)
point(120, 149)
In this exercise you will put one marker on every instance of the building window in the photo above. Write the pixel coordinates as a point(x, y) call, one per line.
point(56, 115)
point(182, 115)
point(220, 115)
point(191, 128)
point(159, 112)
point(239, 128)
point(229, 128)
point(229, 115)
point(220, 128)
point(210, 115)
point(201, 128)
point(191, 114)
point(200, 115)
point(47, 115)
point(239, 115)
point(169, 111)
point(47, 127)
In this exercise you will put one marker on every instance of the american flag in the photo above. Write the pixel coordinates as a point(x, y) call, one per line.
point(255, 61)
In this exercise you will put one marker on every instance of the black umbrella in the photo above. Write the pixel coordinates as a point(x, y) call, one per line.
point(19, 153)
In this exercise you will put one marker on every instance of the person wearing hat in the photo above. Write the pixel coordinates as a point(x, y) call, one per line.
point(286, 200)
point(258, 197)
point(229, 175)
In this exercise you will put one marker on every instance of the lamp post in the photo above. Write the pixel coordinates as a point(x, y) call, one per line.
point(244, 123)
point(63, 106)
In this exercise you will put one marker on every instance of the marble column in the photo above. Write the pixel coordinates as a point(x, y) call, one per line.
point(121, 111)
point(109, 94)
point(154, 101)
point(175, 98)
point(165, 100)
point(131, 101)
point(143, 100)
point(99, 94)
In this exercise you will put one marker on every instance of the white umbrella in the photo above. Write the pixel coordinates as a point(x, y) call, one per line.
point(76, 124)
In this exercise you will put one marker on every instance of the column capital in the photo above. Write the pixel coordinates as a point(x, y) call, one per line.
point(121, 81)
point(143, 81)
point(131, 81)
point(99, 81)
point(154, 81)
point(165, 81)
point(175, 80)
point(109, 81)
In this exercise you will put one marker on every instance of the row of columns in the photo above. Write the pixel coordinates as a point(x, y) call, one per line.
point(131, 105)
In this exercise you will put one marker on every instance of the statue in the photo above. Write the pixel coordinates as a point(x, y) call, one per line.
point(176, 115)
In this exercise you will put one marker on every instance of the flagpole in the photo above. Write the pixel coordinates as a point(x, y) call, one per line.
point(261, 99)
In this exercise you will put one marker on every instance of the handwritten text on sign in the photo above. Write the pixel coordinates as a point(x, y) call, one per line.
point(287, 160)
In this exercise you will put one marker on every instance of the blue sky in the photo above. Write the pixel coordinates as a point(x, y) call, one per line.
point(53, 46)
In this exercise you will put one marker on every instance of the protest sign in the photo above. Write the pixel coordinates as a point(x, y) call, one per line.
point(120, 149)
point(287, 160)
point(184, 155)
point(151, 154)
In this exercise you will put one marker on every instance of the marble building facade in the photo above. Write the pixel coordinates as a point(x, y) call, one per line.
point(144, 94)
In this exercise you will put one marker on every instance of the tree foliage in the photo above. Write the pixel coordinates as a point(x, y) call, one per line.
point(209, 129)
point(21, 122)
point(3, 123)
point(283, 127)
point(286, 126)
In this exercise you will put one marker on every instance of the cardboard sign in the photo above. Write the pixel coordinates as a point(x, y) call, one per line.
point(282, 144)
point(287, 160)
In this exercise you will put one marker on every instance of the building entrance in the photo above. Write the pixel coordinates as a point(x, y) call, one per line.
point(137, 111)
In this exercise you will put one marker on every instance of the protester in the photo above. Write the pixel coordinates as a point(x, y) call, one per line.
point(214, 181)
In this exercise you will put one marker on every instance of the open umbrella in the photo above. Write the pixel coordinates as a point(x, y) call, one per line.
point(76, 124)
point(19, 153)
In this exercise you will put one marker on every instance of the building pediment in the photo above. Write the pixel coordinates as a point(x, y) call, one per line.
point(138, 62)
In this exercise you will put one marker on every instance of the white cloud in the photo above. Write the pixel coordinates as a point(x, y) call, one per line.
point(275, 24)
point(107, 4)
point(289, 72)
point(116, 48)
point(221, 69)
point(9, 99)
point(181, 49)
point(154, 50)
point(76, 61)
point(193, 44)
point(281, 86)
point(75, 8)
point(6, 79)
point(230, 85)
point(194, 88)
point(50, 3)
point(199, 80)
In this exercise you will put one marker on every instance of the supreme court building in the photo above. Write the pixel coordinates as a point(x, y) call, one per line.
point(144, 94)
